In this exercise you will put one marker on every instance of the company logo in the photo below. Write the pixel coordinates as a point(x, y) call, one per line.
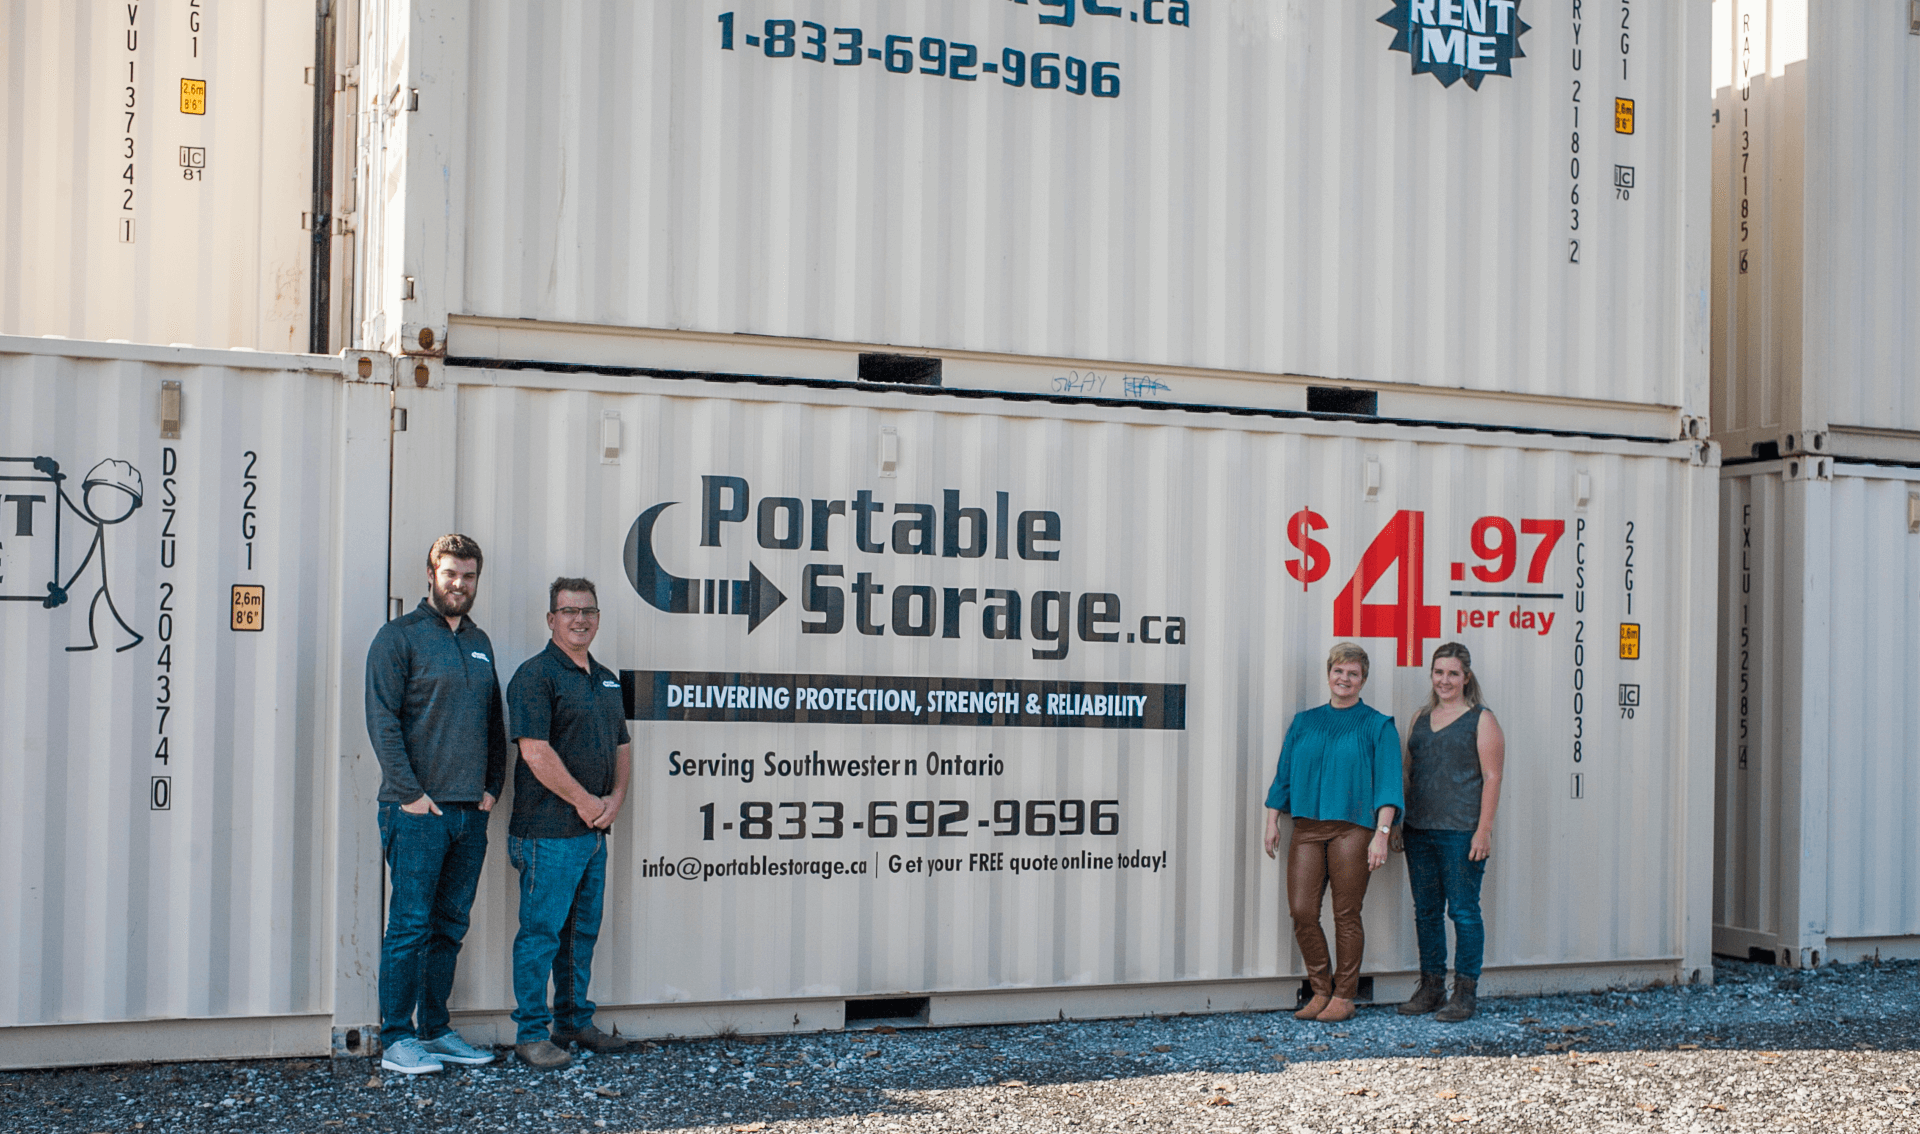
point(1458, 39)
point(482, 657)
point(879, 546)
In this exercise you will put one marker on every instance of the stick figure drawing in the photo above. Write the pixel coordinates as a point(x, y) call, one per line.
point(109, 494)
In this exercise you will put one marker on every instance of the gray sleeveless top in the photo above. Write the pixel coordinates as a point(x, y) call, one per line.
point(1443, 792)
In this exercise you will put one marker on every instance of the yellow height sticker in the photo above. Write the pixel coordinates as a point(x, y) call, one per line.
point(1623, 116)
point(193, 97)
point(1629, 640)
point(249, 607)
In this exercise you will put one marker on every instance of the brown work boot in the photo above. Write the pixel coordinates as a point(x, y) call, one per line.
point(1430, 995)
point(1463, 1003)
point(1339, 1008)
point(543, 1055)
point(1314, 1007)
point(592, 1038)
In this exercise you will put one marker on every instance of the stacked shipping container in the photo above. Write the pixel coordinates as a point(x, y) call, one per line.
point(176, 576)
point(1202, 565)
point(157, 171)
point(1816, 285)
point(1167, 204)
point(586, 207)
point(1223, 204)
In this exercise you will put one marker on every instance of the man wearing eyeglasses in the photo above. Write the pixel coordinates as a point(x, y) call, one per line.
point(569, 721)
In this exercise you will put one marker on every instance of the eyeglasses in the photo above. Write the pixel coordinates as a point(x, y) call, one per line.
point(577, 611)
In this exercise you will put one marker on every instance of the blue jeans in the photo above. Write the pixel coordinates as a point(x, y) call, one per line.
point(562, 884)
point(1446, 884)
point(433, 862)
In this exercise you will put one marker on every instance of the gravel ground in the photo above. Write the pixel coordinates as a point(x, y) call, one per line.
point(1764, 1049)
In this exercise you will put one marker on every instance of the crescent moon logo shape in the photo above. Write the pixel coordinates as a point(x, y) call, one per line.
point(651, 581)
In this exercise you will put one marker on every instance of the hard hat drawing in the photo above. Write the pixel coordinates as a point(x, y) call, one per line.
point(112, 474)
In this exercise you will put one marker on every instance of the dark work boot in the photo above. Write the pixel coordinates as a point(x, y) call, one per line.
point(1430, 995)
point(591, 1038)
point(543, 1055)
point(1463, 1003)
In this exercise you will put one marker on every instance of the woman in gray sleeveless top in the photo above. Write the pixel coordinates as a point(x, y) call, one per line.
point(1454, 759)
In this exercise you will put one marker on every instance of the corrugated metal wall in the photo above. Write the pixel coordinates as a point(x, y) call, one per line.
point(166, 819)
point(1273, 190)
point(1817, 147)
point(137, 208)
point(1819, 572)
point(1874, 709)
point(1178, 514)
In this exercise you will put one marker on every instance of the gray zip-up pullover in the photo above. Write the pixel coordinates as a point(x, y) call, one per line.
point(434, 710)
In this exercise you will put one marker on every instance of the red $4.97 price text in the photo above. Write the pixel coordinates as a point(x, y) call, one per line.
point(1400, 548)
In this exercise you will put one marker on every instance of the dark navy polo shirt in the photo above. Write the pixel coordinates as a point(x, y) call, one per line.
point(581, 713)
point(433, 710)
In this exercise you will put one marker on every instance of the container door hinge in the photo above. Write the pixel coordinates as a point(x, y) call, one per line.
point(170, 411)
point(610, 437)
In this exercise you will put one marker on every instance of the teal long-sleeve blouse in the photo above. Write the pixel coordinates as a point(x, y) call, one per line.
point(1339, 764)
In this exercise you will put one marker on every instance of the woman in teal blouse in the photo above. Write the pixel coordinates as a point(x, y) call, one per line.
point(1339, 775)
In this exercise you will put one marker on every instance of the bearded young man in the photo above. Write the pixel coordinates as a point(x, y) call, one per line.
point(435, 715)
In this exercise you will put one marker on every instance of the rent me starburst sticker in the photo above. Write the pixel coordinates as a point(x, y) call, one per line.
point(1458, 39)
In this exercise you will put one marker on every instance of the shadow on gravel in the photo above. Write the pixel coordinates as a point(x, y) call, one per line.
point(821, 1077)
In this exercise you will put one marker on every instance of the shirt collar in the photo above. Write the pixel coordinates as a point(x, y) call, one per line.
point(426, 609)
point(560, 657)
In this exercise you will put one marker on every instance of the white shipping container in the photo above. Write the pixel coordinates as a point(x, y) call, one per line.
point(156, 172)
point(1512, 205)
point(1819, 683)
point(1070, 862)
point(1816, 249)
point(174, 581)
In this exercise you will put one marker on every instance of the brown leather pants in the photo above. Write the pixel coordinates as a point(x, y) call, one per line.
point(1326, 850)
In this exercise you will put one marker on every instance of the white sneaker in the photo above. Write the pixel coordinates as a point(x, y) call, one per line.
point(409, 1057)
point(450, 1048)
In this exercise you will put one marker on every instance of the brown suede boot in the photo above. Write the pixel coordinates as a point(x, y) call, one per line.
point(1430, 995)
point(1314, 1007)
point(1463, 1003)
point(1339, 1010)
